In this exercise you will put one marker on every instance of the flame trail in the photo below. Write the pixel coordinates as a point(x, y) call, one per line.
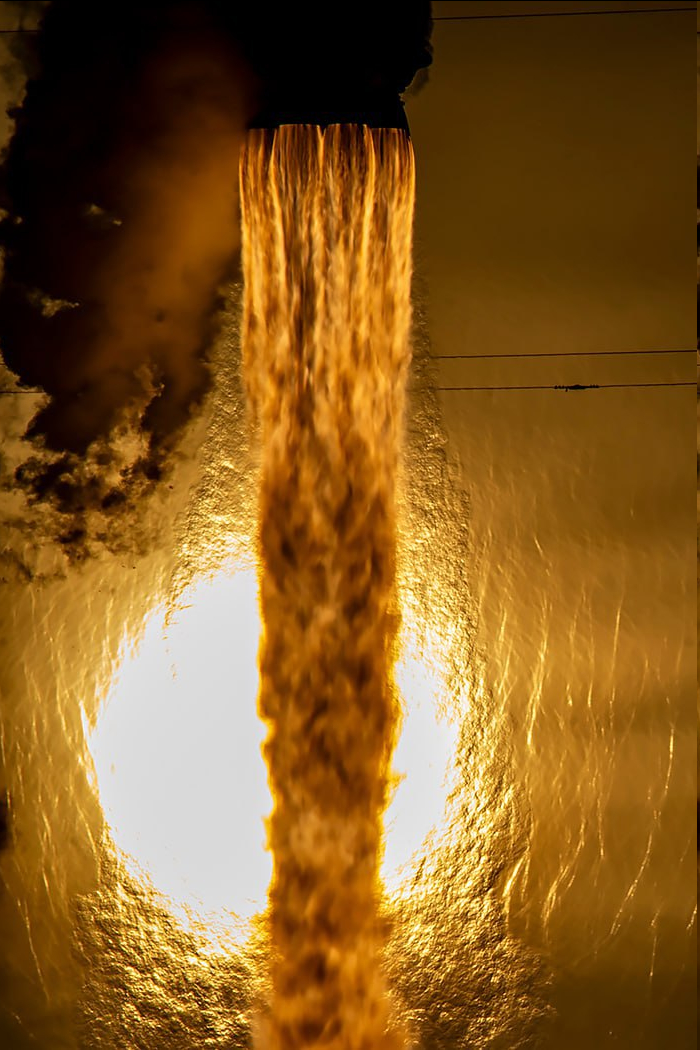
point(327, 227)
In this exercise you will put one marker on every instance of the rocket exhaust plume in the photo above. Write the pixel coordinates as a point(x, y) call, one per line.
point(327, 224)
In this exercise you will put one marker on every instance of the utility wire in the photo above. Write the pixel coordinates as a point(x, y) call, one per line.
point(575, 353)
point(569, 386)
point(531, 14)
point(562, 14)
point(543, 386)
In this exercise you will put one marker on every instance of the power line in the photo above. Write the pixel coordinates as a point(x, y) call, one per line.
point(575, 353)
point(569, 387)
point(533, 386)
point(487, 18)
point(562, 14)
point(482, 18)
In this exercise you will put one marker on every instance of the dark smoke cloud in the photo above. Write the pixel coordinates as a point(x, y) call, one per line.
point(120, 192)
point(120, 182)
point(119, 189)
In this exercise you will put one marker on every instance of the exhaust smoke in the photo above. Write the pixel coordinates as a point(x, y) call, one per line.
point(121, 224)
point(327, 226)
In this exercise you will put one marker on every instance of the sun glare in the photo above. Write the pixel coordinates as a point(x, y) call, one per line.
point(180, 773)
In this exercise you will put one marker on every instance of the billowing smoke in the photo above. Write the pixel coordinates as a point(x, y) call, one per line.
point(121, 220)
point(122, 223)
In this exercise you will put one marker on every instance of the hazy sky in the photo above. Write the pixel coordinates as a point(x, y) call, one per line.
point(555, 202)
